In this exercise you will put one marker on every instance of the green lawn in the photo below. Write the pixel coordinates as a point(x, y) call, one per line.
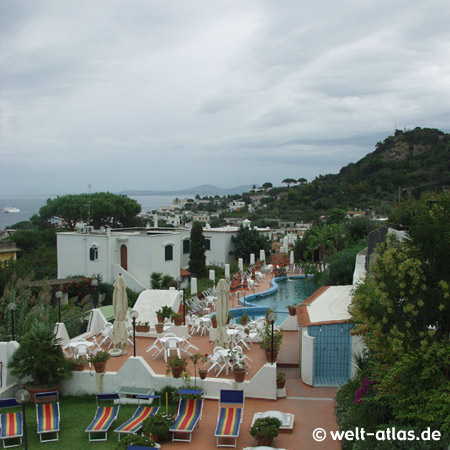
point(76, 414)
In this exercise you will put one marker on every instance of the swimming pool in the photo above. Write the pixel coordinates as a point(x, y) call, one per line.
point(284, 291)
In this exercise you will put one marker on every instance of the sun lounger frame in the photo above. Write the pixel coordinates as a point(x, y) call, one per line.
point(183, 406)
point(152, 410)
point(231, 407)
point(5, 419)
point(111, 410)
point(47, 403)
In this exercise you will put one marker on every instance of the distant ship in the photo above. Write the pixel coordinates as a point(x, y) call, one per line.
point(11, 209)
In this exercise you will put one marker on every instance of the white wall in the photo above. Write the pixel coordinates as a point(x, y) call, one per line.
point(146, 254)
point(221, 246)
point(137, 373)
point(8, 380)
point(307, 355)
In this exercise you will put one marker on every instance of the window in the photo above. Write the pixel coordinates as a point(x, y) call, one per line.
point(93, 253)
point(186, 246)
point(168, 251)
point(208, 244)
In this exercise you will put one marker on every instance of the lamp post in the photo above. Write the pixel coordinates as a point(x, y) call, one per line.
point(23, 397)
point(134, 315)
point(180, 285)
point(59, 295)
point(94, 284)
point(272, 318)
point(12, 307)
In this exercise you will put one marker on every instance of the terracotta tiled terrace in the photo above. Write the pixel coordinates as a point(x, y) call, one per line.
point(313, 407)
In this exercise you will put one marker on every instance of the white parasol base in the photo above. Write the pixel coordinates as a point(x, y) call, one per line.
point(117, 352)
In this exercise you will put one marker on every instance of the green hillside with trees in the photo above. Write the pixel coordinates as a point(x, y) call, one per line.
point(402, 166)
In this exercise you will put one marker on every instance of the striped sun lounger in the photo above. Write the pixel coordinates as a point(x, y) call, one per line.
point(229, 419)
point(104, 417)
point(47, 416)
point(11, 424)
point(188, 415)
point(134, 424)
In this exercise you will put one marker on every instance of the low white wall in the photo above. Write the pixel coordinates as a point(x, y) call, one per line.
point(8, 380)
point(137, 373)
point(290, 323)
point(131, 282)
point(307, 355)
point(357, 349)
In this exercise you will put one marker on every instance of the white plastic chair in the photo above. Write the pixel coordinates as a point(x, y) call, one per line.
point(171, 345)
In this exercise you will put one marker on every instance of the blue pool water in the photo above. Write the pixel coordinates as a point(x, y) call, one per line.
point(284, 291)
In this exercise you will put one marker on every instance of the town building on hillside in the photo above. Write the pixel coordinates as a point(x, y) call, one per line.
point(8, 252)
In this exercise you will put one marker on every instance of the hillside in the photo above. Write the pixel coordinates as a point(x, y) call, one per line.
point(409, 163)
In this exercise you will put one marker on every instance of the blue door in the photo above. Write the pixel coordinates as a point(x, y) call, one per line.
point(332, 354)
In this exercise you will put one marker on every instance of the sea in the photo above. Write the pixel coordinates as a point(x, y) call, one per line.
point(30, 205)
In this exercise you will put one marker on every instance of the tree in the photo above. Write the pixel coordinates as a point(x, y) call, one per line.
point(302, 181)
point(289, 181)
point(197, 258)
point(402, 311)
point(249, 240)
point(100, 209)
point(267, 185)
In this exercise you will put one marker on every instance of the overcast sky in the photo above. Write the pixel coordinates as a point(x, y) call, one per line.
point(169, 94)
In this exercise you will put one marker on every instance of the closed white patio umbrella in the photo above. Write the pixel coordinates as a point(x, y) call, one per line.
point(120, 304)
point(222, 313)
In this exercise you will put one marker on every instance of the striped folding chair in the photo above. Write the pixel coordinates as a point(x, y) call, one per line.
point(134, 423)
point(11, 423)
point(104, 417)
point(229, 418)
point(188, 415)
point(47, 415)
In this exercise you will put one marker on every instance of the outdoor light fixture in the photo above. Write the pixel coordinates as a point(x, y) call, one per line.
point(59, 295)
point(272, 319)
point(12, 307)
point(134, 315)
point(94, 284)
point(23, 397)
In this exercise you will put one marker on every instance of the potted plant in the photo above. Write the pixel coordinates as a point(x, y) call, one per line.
point(78, 363)
point(265, 429)
point(136, 440)
point(159, 327)
point(244, 319)
point(239, 366)
point(99, 360)
point(266, 341)
point(40, 357)
point(143, 327)
point(157, 427)
point(292, 310)
point(165, 312)
point(176, 365)
point(281, 380)
point(203, 358)
point(177, 319)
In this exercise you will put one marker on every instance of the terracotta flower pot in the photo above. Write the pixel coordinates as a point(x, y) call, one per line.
point(99, 367)
point(239, 375)
point(281, 384)
point(178, 321)
point(269, 356)
point(37, 390)
point(159, 327)
point(202, 373)
point(292, 311)
point(77, 367)
point(177, 371)
point(264, 441)
point(143, 328)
